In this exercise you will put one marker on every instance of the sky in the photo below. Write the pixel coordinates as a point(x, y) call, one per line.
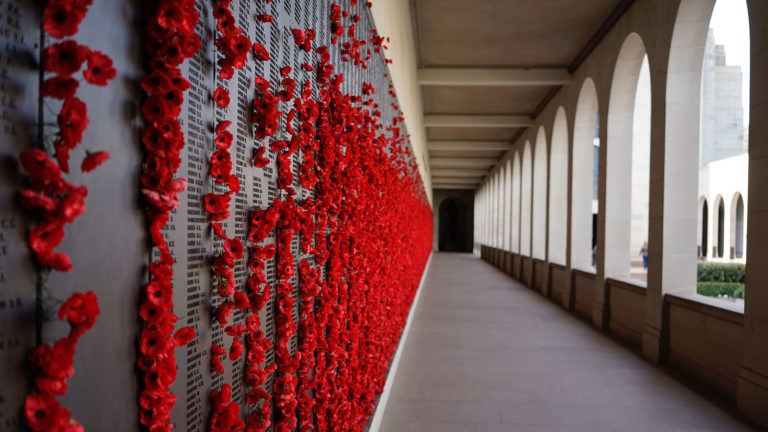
point(731, 25)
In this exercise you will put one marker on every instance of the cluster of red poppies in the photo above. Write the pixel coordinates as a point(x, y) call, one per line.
point(234, 47)
point(60, 202)
point(55, 363)
point(170, 40)
point(262, 223)
point(368, 225)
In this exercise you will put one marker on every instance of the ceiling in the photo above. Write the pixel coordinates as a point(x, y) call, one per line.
point(487, 67)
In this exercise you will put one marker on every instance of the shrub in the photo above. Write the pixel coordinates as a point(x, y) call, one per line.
point(714, 289)
point(720, 272)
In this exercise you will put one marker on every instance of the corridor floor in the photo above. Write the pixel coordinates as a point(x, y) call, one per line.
point(485, 354)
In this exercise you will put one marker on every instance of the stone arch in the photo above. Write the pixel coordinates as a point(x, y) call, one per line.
point(621, 139)
point(738, 227)
point(583, 177)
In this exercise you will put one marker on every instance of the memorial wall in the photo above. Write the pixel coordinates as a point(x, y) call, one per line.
point(210, 215)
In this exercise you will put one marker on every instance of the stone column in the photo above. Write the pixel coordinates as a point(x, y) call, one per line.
point(752, 390)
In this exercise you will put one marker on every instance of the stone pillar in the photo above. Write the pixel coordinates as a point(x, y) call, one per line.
point(752, 390)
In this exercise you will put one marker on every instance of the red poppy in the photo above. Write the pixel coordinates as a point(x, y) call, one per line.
point(39, 166)
point(234, 247)
point(265, 18)
point(184, 336)
point(159, 292)
point(156, 83)
point(152, 342)
point(61, 18)
point(215, 203)
point(41, 411)
point(72, 120)
point(93, 160)
point(100, 70)
point(224, 140)
point(64, 58)
point(260, 52)
point(241, 300)
point(234, 183)
point(218, 365)
point(80, 309)
point(155, 110)
point(45, 237)
point(236, 350)
point(59, 87)
point(221, 96)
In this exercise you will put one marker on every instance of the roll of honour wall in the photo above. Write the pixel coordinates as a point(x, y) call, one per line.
point(210, 215)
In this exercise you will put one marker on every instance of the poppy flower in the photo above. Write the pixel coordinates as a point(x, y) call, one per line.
point(265, 18)
point(93, 160)
point(34, 200)
point(262, 84)
point(183, 336)
point(72, 120)
point(233, 183)
point(217, 365)
point(152, 342)
point(64, 58)
point(80, 309)
point(156, 83)
point(260, 52)
point(41, 411)
point(155, 110)
point(61, 18)
point(234, 247)
point(221, 96)
point(215, 203)
point(236, 350)
point(59, 87)
point(224, 140)
point(100, 70)
point(45, 237)
point(241, 300)
point(159, 292)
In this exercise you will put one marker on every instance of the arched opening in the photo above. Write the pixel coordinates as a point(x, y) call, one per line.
point(706, 113)
point(525, 200)
point(558, 189)
point(516, 203)
point(628, 163)
point(719, 225)
point(540, 196)
point(586, 138)
point(703, 224)
point(737, 227)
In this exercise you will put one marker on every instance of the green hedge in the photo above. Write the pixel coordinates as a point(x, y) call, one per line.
point(720, 272)
point(714, 289)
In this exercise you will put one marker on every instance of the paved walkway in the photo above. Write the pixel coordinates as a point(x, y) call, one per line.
point(488, 354)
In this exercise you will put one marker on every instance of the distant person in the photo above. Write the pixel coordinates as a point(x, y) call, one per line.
point(594, 256)
point(644, 254)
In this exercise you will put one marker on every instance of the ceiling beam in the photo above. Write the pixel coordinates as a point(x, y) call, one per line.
point(462, 162)
point(469, 145)
point(457, 180)
point(437, 172)
point(453, 186)
point(478, 121)
point(493, 77)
